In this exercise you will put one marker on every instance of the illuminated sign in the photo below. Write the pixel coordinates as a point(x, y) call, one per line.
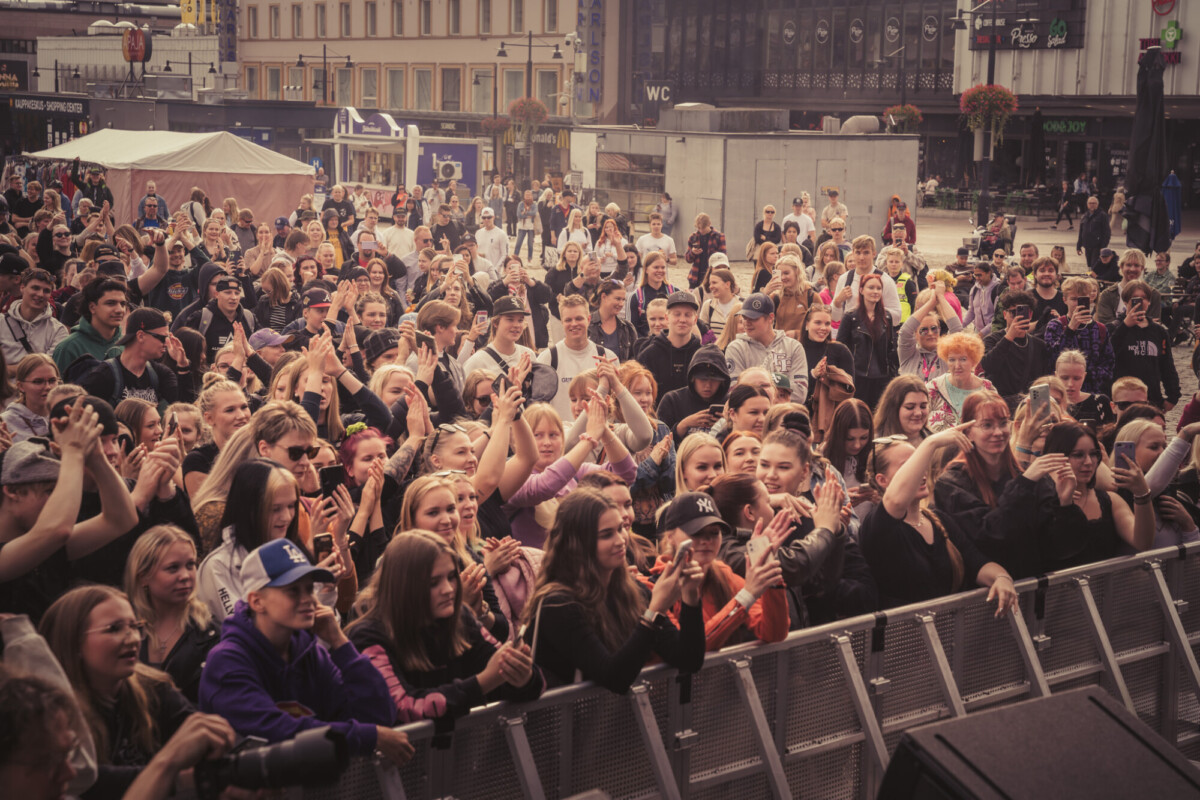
point(1030, 25)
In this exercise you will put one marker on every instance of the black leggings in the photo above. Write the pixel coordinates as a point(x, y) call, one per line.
point(1064, 211)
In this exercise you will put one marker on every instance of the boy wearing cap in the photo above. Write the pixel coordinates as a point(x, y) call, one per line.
point(103, 304)
point(270, 677)
point(503, 351)
point(763, 346)
point(685, 410)
point(40, 533)
point(669, 354)
point(806, 228)
point(316, 305)
point(136, 372)
point(29, 325)
point(492, 241)
point(216, 319)
point(398, 239)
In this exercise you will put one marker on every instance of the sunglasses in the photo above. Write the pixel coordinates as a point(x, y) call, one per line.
point(837, 229)
point(1123, 404)
point(445, 427)
point(300, 451)
point(885, 442)
point(62, 234)
point(446, 473)
point(160, 336)
point(934, 329)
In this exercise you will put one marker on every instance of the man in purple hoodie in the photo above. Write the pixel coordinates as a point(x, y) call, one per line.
point(269, 676)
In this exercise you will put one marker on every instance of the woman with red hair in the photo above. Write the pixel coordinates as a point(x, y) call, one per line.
point(870, 335)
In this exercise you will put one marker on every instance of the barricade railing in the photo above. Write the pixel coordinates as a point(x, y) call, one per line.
point(819, 714)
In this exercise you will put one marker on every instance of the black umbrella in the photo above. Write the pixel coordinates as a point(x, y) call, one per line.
point(1035, 170)
point(1145, 206)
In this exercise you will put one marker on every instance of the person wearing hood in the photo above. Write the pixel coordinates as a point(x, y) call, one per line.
point(686, 410)
point(205, 277)
point(917, 344)
point(763, 346)
point(104, 305)
point(216, 319)
point(669, 354)
point(269, 676)
point(30, 326)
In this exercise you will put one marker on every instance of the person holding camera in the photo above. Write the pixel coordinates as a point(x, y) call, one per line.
point(1143, 347)
point(269, 676)
point(1014, 358)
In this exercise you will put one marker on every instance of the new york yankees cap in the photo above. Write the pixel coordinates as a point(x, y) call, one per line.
point(691, 512)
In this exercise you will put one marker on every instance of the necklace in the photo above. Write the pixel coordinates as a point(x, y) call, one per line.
point(164, 641)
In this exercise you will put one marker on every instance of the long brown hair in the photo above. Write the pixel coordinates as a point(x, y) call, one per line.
point(851, 413)
point(64, 626)
point(874, 325)
point(983, 405)
point(887, 412)
point(569, 568)
point(399, 593)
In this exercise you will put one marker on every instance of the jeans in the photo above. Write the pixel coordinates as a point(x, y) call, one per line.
point(524, 235)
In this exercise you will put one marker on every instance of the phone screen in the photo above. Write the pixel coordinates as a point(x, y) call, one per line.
point(331, 478)
point(481, 317)
point(322, 545)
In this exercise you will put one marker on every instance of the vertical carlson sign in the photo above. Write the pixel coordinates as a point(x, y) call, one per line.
point(590, 24)
point(225, 17)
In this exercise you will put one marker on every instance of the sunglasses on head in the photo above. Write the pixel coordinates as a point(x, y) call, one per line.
point(445, 427)
point(446, 473)
point(885, 442)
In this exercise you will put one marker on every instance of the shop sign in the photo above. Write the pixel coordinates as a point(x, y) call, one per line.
point(891, 29)
point(929, 28)
point(1169, 42)
point(789, 32)
point(14, 76)
point(1077, 127)
point(590, 21)
point(1163, 7)
point(857, 30)
point(557, 138)
point(1058, 33)
point(1055, 18)
point(225, 17)
point(350, 123)
point(136, 46)
point(822, 31)
point(49, 104)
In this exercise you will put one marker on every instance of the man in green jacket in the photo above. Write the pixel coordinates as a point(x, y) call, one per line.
point(104, 307)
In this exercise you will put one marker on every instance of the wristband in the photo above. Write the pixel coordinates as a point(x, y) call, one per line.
point(338, 379)
point(745, 598)
point(1143, 500)
point(1026, 451)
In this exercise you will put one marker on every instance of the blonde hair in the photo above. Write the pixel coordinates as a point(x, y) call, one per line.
point(1071, 357)
point(687, 448)
point(381, 376)
point(143, 559)
point(26, 367)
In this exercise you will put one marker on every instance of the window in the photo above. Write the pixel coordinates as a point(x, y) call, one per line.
point(517, 20)
point(252, 82)
point(274, 79)
point(252, 22)
point(370, 87)
point(273, 16)
point(551, 15)
point(395, 89)
point(370, 16)
point(320, 92)
point(423, 80)
point(295, 83)
point(485, 16)
point(454, 17)
point(397, 17)
point(452, 89)
point(344, 20)
point(345, 87)
point(513, 87)
point(426, 17)
point(297, 21)
point(481, 91)
point(321, 31)
point(546, 87)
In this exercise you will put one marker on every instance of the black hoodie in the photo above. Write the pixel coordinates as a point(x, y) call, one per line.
point(675, 405)
point(667, 363)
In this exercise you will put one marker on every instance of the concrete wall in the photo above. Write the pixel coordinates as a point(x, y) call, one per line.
point(1107, 63)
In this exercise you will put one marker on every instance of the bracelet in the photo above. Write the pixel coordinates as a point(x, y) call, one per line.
point(1006, 575)
point(340, 374)
point(487, 433)
point(1143, 500)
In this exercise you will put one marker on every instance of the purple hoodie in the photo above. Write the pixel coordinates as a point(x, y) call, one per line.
point(248, 683)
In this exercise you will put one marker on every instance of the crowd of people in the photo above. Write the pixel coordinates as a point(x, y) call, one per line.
point(261, 478)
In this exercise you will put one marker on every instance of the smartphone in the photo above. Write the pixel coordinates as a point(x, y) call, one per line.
point(1039, 398)
point(425, 339)
point(322, 545)
point(367, 246)
point(1127, 449)
point(171, 426)
point(755, 545)
point(1023, 311)
point(717, 410)
point(1084, 302)
point(683, 552)
point(481, 317)
point(331, 478)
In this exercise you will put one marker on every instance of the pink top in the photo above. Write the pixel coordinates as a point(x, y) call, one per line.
point(553, 482)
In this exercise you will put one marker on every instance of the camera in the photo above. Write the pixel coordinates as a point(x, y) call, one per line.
point(313, 757)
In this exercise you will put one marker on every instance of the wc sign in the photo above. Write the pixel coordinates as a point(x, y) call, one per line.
point(659, 93)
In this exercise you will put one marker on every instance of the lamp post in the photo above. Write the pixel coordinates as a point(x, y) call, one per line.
point(557, 56)
point(324, 69)
point(74, 74)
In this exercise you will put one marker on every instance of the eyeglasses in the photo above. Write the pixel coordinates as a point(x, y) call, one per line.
point(40, 382)
point(120, 628)
point(446, 473)
point(300, 451)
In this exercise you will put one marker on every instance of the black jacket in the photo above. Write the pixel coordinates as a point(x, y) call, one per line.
point(873, 358)
point(680, 403)
point(667, 363)
point(262, 311)
point(1145, 353)
point(1094, 231)
point(1011, 368)
point(626, 336)
point(186, 660)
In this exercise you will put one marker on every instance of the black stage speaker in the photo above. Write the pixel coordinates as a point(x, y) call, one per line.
point(1081, 743)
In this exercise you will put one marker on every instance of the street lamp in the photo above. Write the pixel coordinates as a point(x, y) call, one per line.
point(57, 69)
point(324, 69)
point(212, 67)
point(529, 45)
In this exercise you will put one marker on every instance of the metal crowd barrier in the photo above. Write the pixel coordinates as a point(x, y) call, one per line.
point(819, 714)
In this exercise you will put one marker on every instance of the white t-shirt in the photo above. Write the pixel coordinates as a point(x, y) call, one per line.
point(493, 244)
point(805, 222)
point(483, 360)
point(571, 363)
point(650, 243)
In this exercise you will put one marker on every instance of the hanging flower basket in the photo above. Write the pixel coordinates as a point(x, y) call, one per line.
point(904, 119)
point(988, 106)
point(527, 114)
point(494, 126)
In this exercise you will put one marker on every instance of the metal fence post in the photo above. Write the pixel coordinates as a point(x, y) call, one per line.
point(1179, 637)
point(390, 784)
point(1103, 645)
point(862, 703)
point(1038, 687)
point(937, 654)
point(660, 765)
point(758, 719)
point(522, 756)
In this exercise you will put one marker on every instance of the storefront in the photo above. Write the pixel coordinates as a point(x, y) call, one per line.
point(35, 122)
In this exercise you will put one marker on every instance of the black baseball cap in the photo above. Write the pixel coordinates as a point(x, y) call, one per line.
point(353, 274)
point(962, 251)
point(379, 342)
point(467, 238)
point(111, 268)
point(108, 418)
point(317, 298)
point(142, 319)
point(757, 306)
point(692, 512)
point(508, 304)
point(12, 264)
point(682, 298)
point(228, 282)
point(105, 251)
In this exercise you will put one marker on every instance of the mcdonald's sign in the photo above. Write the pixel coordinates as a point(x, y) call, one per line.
point(560, 139)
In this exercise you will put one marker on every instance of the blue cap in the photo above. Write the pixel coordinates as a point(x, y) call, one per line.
point(278, 563)
point(756, 306)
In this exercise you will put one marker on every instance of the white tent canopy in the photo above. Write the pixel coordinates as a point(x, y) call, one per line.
point(221, 164)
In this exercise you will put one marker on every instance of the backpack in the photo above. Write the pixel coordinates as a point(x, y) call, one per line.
point(206, 320)
point(86, 363)
point(554, 353)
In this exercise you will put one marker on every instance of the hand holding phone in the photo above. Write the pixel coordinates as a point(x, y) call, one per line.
point(322, 545)
point(1123, 450)
point(331, 478)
